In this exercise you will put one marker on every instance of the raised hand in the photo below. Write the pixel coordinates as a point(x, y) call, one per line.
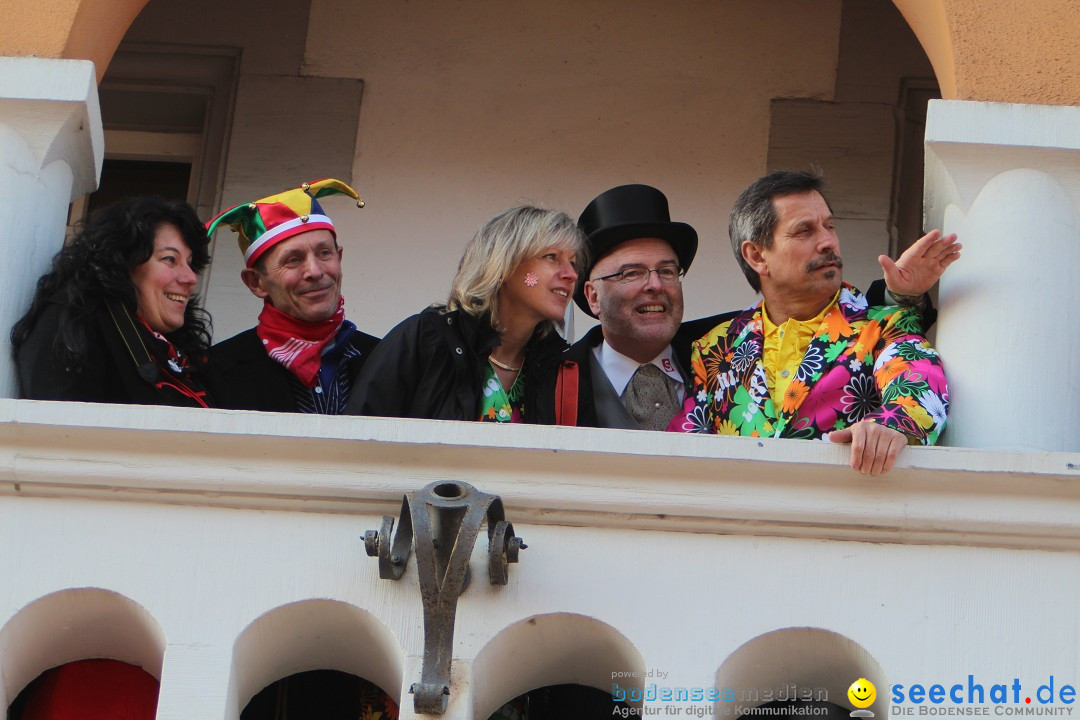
point(916, 271)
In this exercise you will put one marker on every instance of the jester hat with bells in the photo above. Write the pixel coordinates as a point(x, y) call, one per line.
point(264, 223)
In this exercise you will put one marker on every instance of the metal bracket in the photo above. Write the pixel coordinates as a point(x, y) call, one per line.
point(444, 518)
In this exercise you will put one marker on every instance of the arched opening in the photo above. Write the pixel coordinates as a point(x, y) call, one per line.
point(798, 665)
point(320, 695)
point(78, 641)
point(313, 649)
point(96, 689)
point(555, 663)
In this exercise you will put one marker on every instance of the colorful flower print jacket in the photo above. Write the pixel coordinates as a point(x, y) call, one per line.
point(862, 364)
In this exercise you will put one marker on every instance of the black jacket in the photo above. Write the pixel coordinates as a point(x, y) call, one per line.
point(432, 366)
point(681, 346)
point(242, 376)
point(108, 374)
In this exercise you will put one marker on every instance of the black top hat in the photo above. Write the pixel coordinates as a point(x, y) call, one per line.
point(624, 213)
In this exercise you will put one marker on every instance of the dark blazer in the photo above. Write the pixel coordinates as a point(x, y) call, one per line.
point(432, 366)
point(109, 373)
point(598, 405)
point(243, 377)
point(598, 408)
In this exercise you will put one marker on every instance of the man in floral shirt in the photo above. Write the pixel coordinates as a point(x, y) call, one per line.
point(812, 360)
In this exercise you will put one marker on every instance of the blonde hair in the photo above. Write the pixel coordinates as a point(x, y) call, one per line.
point(499, 246)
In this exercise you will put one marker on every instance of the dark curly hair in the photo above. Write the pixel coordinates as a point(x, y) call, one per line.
point(96, 266)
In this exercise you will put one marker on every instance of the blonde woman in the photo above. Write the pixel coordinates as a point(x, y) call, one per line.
point(491, 352)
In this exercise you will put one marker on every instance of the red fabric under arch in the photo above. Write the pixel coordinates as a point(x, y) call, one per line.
point(92, 690)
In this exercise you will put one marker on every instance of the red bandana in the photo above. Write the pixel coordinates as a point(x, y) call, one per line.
point(298, 344)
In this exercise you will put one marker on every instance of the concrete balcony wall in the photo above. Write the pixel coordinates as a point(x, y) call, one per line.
point(647, 552)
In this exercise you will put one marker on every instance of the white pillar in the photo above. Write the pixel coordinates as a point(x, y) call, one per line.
point(1006, 179)
point(51, 148)
point(195, 683)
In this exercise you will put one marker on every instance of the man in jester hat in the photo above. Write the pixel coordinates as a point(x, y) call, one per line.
point(303, 355)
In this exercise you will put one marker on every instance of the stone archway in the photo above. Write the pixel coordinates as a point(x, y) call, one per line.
point(804, 664)
point(554, 649)
point(313, 635)
point(75, 624)
point(70, 29)
point(984, 51)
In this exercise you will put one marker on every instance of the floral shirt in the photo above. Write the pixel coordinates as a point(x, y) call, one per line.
point(862, 364)
point(498, 405)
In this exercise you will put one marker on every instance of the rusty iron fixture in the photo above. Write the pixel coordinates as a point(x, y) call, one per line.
point(444, 519)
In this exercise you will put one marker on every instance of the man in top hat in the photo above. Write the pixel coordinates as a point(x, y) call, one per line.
point(814, 358)
point(633, 370)
point(633, 367)
point(303, 355)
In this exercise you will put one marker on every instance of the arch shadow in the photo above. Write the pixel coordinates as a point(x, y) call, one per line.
point(76, 624)
point(805, 664)
point(553, 649)
point(313, 635)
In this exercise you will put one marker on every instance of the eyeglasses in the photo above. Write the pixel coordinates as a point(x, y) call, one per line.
point(668, 274)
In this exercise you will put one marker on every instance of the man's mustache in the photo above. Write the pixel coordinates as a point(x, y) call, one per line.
point(827, 259)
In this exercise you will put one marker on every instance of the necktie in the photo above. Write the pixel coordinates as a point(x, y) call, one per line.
point(651, 398)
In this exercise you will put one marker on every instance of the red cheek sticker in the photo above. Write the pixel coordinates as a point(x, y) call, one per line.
point(667, 365)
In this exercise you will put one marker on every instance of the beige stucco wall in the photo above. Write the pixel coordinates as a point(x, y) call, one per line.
point(1020, 51)
point(51, 20)
point(472, 108)
point(75, 29)
point(468, 112)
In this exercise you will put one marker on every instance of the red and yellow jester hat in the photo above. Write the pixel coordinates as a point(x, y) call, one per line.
point(264, 223)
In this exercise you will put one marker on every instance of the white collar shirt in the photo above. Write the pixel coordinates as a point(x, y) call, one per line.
point(619, 368)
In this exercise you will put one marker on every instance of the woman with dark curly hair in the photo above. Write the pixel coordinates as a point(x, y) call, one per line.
point(116, 318)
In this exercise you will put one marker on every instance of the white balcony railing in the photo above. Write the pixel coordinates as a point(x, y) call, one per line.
point(236, 538)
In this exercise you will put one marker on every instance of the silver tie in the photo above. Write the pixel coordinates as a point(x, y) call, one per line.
point(651, 398)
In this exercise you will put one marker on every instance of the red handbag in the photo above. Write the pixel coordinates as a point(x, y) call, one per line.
point(566, 394)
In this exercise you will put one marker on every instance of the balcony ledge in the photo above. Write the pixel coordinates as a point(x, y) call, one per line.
point(546, 475)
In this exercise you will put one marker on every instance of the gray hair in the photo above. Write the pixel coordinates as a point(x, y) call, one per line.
point(499, 246)
point(753, 218)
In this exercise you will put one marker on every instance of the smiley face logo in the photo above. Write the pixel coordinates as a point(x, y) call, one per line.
point(862, 693)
